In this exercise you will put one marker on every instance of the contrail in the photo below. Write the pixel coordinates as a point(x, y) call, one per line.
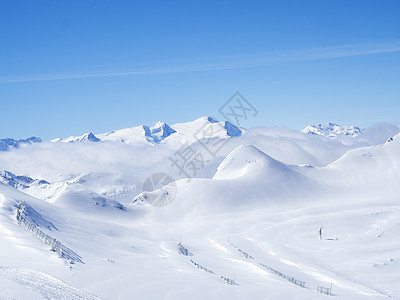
point(231, 62)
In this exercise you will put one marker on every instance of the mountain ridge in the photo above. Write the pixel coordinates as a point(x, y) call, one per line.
point(154, 134)
point(9, 143)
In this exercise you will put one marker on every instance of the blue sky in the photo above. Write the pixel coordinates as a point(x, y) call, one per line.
point(73, 66)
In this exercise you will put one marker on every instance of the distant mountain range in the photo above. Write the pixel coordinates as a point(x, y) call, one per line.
point(157, 133)
point(7, 144)
point(161, 132)
point(333, 130)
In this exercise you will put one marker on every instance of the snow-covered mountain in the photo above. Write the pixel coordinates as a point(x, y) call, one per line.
point(139, 134)
point(7, 144)
point(87, 137)
point(273, 213)
point(142, 152)
point(155, 134)
point(19, 182)
point(333, 130)
point(159, 132)
point(221, 129)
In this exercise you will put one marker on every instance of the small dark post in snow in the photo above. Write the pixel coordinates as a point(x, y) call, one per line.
point(320, 233)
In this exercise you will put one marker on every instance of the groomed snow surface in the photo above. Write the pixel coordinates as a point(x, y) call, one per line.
point(273, 214)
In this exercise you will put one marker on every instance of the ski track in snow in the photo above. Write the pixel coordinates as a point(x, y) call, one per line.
point(45, 285)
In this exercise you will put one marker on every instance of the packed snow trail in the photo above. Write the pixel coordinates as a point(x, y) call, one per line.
point(43, 284)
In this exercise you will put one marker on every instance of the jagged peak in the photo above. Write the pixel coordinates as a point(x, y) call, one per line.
point(158, 132)
point(91, 137)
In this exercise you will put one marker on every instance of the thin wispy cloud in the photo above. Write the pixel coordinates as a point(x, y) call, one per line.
point(230, 62)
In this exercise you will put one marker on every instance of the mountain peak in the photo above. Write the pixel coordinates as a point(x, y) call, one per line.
point(158, 132)
point(91, 137)
point(87, 137)
point(211, 120)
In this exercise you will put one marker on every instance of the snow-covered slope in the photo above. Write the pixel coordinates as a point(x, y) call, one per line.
point(247, 160)
point(235, 226)
point(373, 169)
point(251, 216)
